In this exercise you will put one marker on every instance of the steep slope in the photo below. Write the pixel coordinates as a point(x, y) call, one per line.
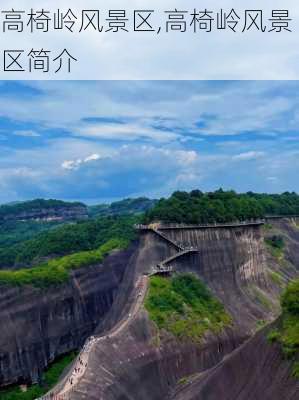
point(39, 325)
point(140, 363)
point(255, 371)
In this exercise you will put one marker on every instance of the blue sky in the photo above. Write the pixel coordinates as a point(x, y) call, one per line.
point(105, 140)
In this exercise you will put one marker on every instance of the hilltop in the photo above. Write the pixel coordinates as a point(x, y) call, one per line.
point(42, 210)
point(122, 207)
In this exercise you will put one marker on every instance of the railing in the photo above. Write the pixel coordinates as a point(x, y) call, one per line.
point(161, 270)
point(179, 247)
point(55, 393)
point(181, 253)
point(281, 216)
point(158, 227)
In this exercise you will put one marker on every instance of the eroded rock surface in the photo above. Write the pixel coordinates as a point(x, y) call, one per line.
point(39, 325)
point(255, 371)
point(139, 364)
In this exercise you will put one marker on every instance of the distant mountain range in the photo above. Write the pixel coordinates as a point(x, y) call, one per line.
point(122, 207)
point(60, 211)
point(43, 210)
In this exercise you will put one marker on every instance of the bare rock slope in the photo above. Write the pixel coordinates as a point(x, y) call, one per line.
point(137, 363)
point(37, 325)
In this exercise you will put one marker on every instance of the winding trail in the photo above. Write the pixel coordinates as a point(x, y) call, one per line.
point(64, 388)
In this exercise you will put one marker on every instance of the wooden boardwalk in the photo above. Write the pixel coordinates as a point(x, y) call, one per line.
point(161, 227)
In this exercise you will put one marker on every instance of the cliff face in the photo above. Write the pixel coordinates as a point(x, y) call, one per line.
point(233, 262)
point(139, 364)
point(256, 371)
point(62, 213)
point(39, 325)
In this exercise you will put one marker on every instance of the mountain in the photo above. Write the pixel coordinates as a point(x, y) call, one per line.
point(221, 206)
point(122, 207)
point(43, 210)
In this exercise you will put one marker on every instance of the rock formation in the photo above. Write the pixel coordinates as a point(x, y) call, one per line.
point(140, 363)
point(39, 325)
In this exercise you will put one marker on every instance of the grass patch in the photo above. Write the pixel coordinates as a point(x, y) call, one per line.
point(183, 381)
point(273, 336)
point(49, 379)
point(296, 369)
point(276, 278)
point(267, 227)
point(184, 306)
point(261, 298)
point(276, 246)
point(287, 334)
point(57, 271)
point(260, 324)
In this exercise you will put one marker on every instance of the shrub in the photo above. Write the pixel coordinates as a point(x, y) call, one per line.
point(287, 333)
point(185, 307)
point(49, 379)
point(56, 271)
point(290, 298)
point(221, 206)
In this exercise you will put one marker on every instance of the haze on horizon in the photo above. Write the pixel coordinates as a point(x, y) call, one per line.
point(102, 141)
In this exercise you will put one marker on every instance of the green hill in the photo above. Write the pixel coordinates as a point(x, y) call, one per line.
point(66, 239)
point(122, 207)
point(221, 206)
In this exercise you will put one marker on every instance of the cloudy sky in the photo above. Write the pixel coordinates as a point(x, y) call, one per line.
point(105, 140)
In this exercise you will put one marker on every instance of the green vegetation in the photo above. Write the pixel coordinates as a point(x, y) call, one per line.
point(296, 369)
point(261, 298)
point(123, 207)
point(49, 379)
point(13, 209)
point(13, 232)
point(183, 306)
point(287, 334)
point(276, 246)
point(267, 227)
point(260, 324)
point(276, 278)
point(56, 271)
point(221, 206)
point(68, 238)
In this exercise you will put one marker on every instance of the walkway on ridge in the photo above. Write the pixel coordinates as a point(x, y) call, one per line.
point(181, 253)
point(178, 247)
point(162, 266)
point(63, 389)
point(158, 227)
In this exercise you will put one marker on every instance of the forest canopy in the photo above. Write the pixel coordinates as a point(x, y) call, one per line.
point(221, 206)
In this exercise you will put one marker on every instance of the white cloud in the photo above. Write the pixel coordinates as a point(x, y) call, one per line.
point(26, 133)
point(75, 164)
point(128, 132)
point(158, 111)
point(249, 155)
point(90, 159)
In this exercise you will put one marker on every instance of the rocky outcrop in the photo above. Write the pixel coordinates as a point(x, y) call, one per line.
point(39, 325)
point(50, 214)
point(43, 210)
point(139, 363)
point(255, 371)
